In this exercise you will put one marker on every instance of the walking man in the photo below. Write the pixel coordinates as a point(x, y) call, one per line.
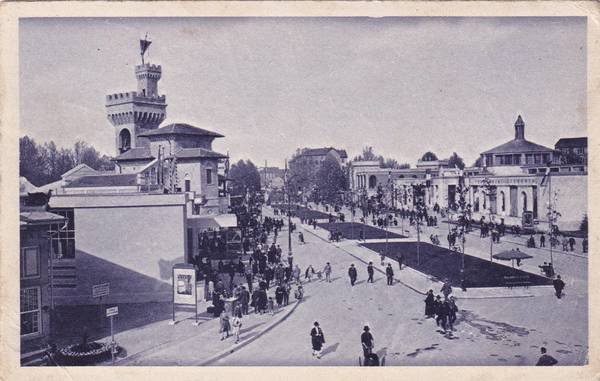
point(545, 359)
point(327, 271)
point(389, 273)
point(446, 289)
point(542, 240)
point(352, 274)
point(370, 271)
point(367, 341)
point(558, 286)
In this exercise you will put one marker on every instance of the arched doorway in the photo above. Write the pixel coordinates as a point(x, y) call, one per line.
point(372, 182)
point(124, 140)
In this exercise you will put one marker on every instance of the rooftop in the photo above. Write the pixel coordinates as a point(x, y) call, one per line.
point(193, 153)
point(323, 151)
point(571, 142)
point(138, 153)
point(518, 146)
point(104, 181)
point(39, 216)
point(181, 129)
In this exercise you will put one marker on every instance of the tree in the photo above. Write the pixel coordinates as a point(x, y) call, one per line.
point(245, 178)
point(31, 165)
point(456, 161)
point(583, 227)
point(478, 162)
point(45, 163)
point(330, 180)
point(393, 164)
point(368, 154)
point(429, 156)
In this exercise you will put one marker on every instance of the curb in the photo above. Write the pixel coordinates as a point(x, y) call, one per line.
point(424, 275)
point(242, 344)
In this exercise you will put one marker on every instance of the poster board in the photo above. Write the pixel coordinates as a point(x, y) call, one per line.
point(184, 284)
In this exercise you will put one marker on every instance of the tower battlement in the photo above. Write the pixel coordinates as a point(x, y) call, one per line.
point(133, 96)
point(148, 67)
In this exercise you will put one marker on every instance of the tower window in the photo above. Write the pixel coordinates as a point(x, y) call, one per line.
point(209, 175)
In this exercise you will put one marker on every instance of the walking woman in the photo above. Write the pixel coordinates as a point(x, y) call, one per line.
point(317, 339)
point(429, 304)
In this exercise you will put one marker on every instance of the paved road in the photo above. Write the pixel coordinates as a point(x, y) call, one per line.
point(489, 332)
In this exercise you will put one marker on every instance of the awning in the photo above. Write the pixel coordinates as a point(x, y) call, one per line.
point(213, 221)
point(227, 220)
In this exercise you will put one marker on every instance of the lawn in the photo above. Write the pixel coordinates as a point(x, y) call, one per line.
point(351, 230)
point(303, 212)
point(442, 263)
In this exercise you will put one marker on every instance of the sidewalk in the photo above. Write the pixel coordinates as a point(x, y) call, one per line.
point(147, 345)
point(420, 282)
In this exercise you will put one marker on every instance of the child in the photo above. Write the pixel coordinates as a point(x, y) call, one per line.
point(299, 293)
point(271, 305)
point(224, 325)
point(236, 324)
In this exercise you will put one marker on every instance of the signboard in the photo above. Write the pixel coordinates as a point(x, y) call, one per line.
point(100, 290)
point(184, 284)
point(112, 311)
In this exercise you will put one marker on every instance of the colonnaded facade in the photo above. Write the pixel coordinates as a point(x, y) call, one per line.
point(516, 183)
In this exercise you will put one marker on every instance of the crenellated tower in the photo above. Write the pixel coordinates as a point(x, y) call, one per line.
point(134, 112)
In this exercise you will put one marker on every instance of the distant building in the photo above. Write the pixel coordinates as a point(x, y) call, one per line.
point(271, 177)
point(510, 187)
point(573, 150)
point(314, 157)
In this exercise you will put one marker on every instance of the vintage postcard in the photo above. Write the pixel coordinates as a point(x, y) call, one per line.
point(324, 186)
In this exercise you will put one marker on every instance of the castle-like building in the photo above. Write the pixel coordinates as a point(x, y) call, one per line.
point(130, 226)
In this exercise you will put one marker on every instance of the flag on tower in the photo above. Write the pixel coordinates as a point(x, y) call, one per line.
point(144, 44)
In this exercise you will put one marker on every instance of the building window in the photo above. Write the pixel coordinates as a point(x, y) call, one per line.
point(524, 197)
point(63, 240)
point(30, 262)
point(188, 185)
point(209, 175)
point(30, 311)
point(502, 202)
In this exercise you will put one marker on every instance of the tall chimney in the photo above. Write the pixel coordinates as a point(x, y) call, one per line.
point(519, 129)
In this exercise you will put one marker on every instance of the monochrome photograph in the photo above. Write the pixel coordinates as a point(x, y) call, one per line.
point(303, 191)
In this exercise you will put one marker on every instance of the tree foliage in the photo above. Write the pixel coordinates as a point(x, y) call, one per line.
point(244, 177)
point(429, 156)
point(368, 154)
point(456, 161)
point(330, 180)
point(44, 163)
point(478, 162)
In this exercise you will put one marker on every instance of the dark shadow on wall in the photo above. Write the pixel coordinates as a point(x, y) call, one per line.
point(165, 267)
point(72, 321)
point(92, 270)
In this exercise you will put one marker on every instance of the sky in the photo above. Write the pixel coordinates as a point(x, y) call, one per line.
point(270, 85)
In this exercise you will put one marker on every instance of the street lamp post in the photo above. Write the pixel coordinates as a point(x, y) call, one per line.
point(289, 208)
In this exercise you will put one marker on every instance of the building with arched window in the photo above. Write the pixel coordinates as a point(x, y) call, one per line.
point(516, 180)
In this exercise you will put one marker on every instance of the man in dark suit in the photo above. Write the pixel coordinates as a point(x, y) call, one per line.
point(352, 274)
point(389, 273)
point(370, 271)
